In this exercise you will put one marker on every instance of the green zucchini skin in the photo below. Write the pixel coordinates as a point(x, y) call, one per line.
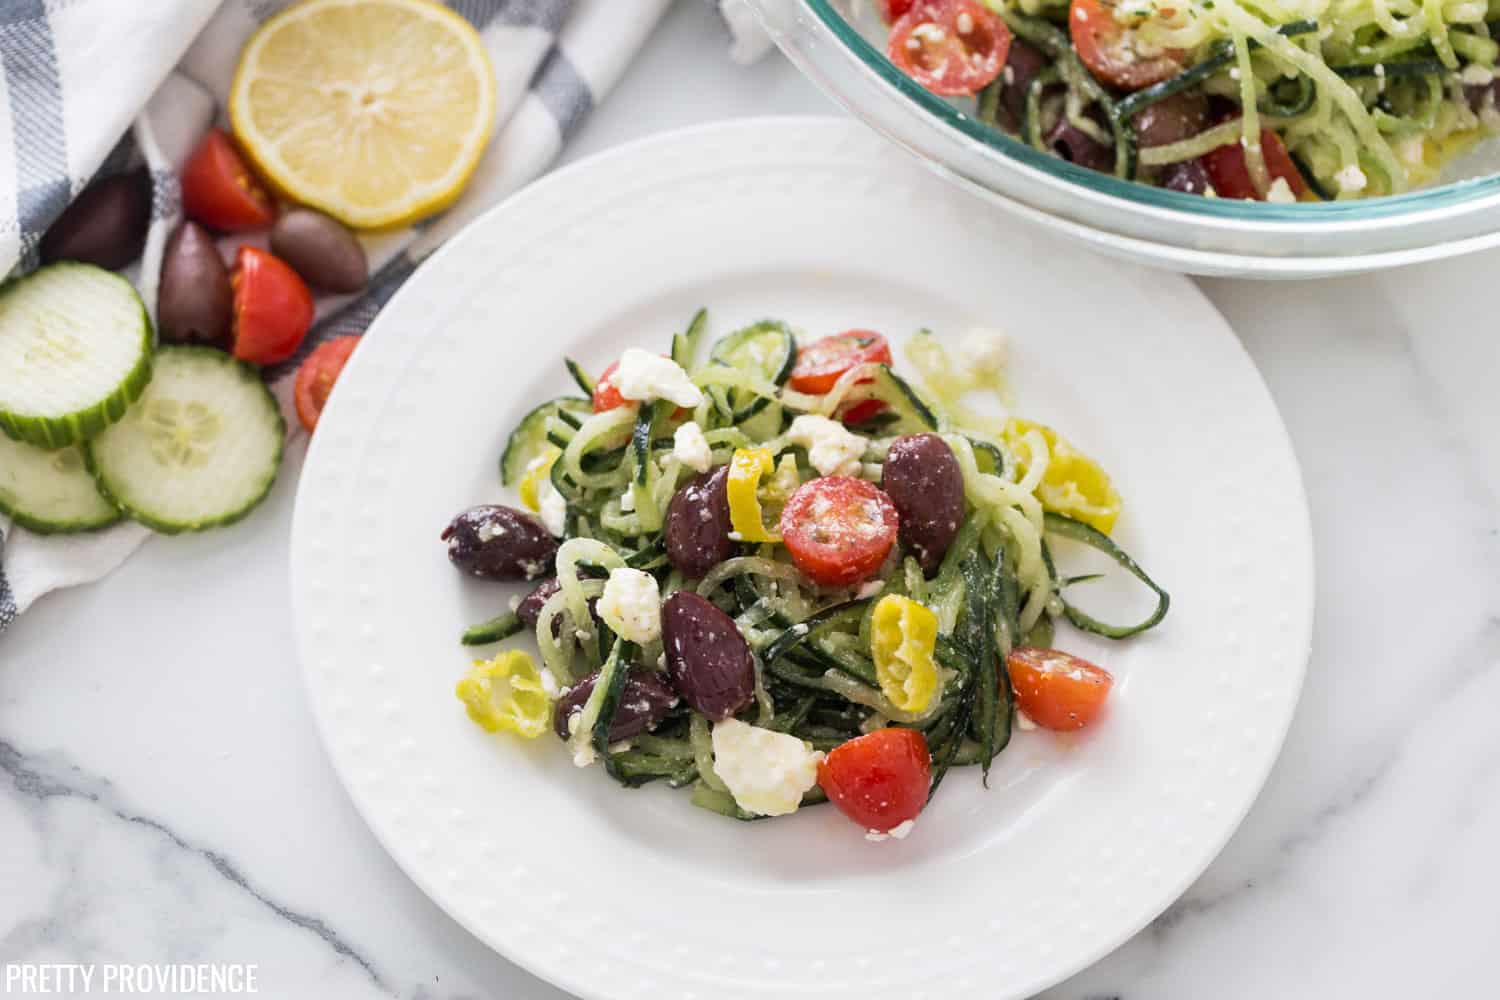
point(728, 349)
point(53, 432)
point(579, 376)
point(500, 627)
point(1066, 527)
point(521, 445)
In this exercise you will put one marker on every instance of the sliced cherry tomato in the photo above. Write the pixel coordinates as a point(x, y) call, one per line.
point(606, 396)
point(1057, 690)
point(272, 307)
point(316, 377)
point(951, 47)
point(838, 530)
point(820, 363)
point(1231, 176)
point(861, 411)
point(879, 780)
point(1108, 48)
point(893, 10)
point(219, 190)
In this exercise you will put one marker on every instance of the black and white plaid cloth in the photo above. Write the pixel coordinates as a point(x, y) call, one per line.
point(91, 87)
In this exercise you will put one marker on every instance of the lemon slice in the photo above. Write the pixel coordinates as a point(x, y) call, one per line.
point(375, 111)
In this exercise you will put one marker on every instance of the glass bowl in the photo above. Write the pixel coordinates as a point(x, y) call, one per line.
point(1127, 219)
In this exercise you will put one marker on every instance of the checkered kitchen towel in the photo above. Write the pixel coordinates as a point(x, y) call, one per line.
point(81, 74)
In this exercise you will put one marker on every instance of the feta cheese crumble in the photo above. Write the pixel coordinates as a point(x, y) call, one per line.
point(551, 507)
point(690, 447)
point(831, 448)
point(643, 376)
point(1351, 178)
point(1475, 75)
point(631, 605)
point(1281, 192)
point(986, 352)
point(766, 772)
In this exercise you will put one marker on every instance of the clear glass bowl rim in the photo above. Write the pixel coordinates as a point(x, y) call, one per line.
point(1443, 198)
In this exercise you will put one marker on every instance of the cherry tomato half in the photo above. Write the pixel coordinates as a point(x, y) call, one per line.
point(893, 10)
point(858, 413)
point(218, 189)
point(838, 530)
point(1108, 48)
point(951, 47)
point(606, 396)
point(879, 780)
point(272, 307)
point(820, 363)
point(1057, 690)
point(1231, 176)
point(316, 377)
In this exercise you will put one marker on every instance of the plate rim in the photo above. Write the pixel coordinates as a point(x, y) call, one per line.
point(561, 975)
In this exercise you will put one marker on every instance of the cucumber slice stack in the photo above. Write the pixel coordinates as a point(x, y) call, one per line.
point(75, 350)
point(50, 491)
point(200, 449)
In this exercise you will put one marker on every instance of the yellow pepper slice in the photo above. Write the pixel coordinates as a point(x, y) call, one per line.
point(902, 636)
point(1073, 484)
point(539, 469)
point(507, 693)
point(745, 471)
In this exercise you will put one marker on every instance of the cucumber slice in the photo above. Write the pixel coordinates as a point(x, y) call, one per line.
point(50, 492)
point(530, 436)
point(767, 349)
point(685, 345)
point(200, 449)
point(75, 347)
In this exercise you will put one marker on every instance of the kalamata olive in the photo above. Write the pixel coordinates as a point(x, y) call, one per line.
point(1189, 176)
point(1483, 95)
point(530, 608)
point(195, 301)
point(708, 659)
point(1022, 65)
point(500, 543)
point(1076, 146)
point(923, 480)
point(697, 525)
point(1171, 119)
point(646, 700)
point(105, 225)
point(321, 250)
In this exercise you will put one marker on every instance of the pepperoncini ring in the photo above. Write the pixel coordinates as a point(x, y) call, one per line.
point(539, 469)
point(745, 471)
point(1073, 484)
point(903, 634)
point(508, 693)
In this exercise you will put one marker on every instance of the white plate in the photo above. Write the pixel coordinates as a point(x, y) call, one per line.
point(618, 893)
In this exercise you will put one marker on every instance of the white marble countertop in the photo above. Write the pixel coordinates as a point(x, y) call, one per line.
point(164, 797)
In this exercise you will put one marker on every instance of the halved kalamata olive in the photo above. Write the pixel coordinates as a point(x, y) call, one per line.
point(105, 225)
point(1189, 176)
point(1076, 146)
point(500, 543)
point(697, 524)
point(530, 608)
point(1171, 119)
point(195, 302)
point(708, 659)
point(646, 700)
point(1022, 65)
point(321, 250)
point(923, 480)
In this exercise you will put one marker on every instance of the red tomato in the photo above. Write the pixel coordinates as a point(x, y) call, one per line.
point(879, 780)
point(862, 411)
point(838, 530)
point(219, 191)
point(1107, 48)
point(820, 363)
point(951, 47)
point(316, 377)
point(893, 10)
point(1055, 689)
point(272, 308)
point(1231, 177)
point(606, 396)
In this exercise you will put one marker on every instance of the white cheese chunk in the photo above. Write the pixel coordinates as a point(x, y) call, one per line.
point(551, 507)
point(831, 448)
point(631, 605)
point(643, 376)
point(1351, 178)
point(1281, 192)
point(766, 772)
point(691, 448)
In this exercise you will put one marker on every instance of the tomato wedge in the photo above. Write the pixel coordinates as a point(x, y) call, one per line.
point(1231, 176)
point(272, 307)
point(1057, 690)
point(951, 47)
point(820, 363)
point(879, 780)
point(316, 377)
point(893, 10)
point(1108, 48)
point(606, 395)
point(838, 530)
point(219, 190)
